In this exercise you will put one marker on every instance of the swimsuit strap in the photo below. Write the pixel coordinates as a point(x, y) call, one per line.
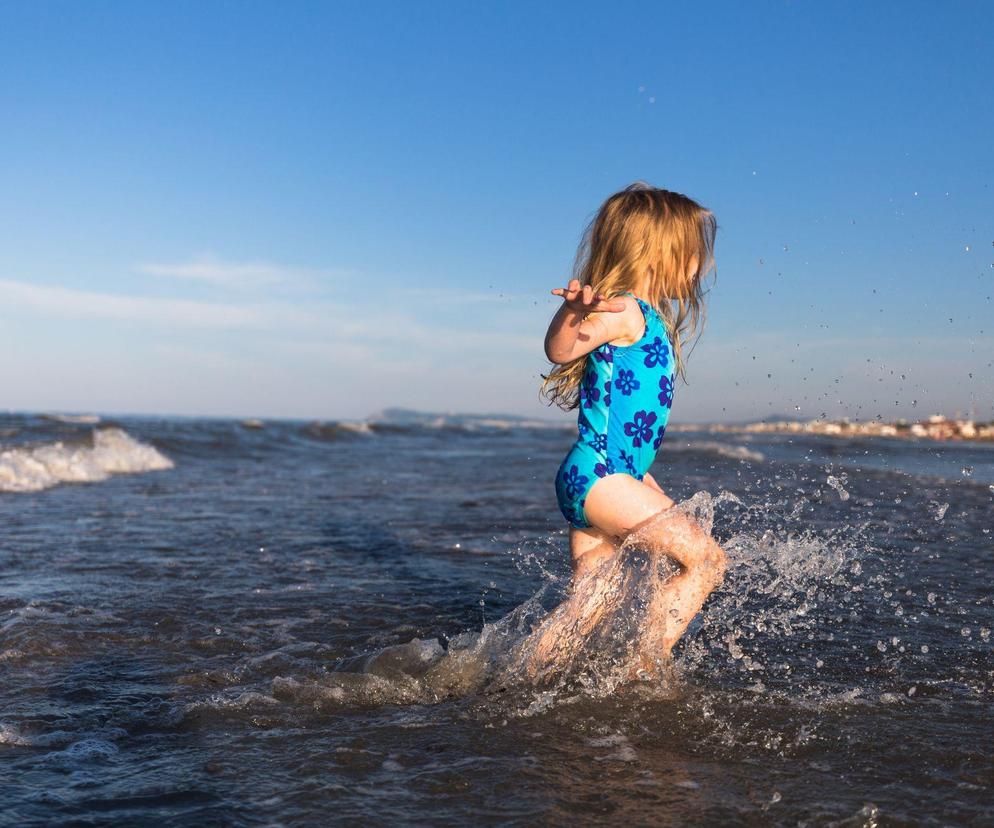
point(645, 306)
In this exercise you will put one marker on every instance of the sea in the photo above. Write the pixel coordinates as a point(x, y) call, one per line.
point(208, 622)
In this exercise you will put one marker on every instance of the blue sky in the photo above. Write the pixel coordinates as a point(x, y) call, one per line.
point(318, 210)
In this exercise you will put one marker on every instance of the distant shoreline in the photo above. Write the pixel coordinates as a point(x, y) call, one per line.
point(936, 427)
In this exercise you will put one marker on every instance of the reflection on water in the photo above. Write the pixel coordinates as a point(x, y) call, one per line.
point(258, 635)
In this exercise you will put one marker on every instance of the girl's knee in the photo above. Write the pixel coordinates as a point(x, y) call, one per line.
point(592, 558)
point(715, 564)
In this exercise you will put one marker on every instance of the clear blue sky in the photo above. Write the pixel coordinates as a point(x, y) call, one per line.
point(317, 210)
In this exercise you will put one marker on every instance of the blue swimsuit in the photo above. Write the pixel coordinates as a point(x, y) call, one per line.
point(625, 400)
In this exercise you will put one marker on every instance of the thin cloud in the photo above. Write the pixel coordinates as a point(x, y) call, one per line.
point(61, 301)
point(213, 271)
point(331, 324)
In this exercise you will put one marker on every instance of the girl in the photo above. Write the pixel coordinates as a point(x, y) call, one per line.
point(617, 344)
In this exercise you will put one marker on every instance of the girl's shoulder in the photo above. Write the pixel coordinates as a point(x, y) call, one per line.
point(636, 318)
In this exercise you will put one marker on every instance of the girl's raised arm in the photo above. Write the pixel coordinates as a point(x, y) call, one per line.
point(584, 322)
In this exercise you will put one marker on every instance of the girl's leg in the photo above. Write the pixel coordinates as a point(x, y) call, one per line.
point(620, 506)
point(573, 619)
point(589, 548)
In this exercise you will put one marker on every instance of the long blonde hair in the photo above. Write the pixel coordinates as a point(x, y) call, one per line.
point(637, 231)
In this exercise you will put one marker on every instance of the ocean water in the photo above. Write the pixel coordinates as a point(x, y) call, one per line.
point(214, 623)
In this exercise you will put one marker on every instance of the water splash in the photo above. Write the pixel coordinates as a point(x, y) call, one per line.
point(780, 582)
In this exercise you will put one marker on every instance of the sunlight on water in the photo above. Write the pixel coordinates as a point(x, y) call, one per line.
point(787, 596)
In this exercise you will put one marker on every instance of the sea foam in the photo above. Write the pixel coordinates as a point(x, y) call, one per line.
point(112, 451)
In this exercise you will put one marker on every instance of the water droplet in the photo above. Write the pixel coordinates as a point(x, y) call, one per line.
point(966, 471)
point(836, 484)
point(965, 632)
point(924, 648)
point(881, 646)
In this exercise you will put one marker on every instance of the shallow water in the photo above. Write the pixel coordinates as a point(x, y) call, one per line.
point(300, 624)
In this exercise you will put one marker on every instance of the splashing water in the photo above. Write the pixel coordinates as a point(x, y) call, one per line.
point(776, 593)
point(836, 484)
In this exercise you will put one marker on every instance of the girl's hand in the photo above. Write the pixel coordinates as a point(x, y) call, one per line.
point(584, 301)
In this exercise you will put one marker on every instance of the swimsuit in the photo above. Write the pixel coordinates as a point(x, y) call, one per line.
point(625, 400)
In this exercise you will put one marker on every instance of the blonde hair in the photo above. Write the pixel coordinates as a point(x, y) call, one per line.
point(644, 230)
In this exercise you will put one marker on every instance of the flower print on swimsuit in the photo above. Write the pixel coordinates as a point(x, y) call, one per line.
point(656, 353)
point(659, 438)
point(607, 393)
point(573, 512)
point(598, 443)
point(640, 427)
point(629, 461)
point(665, 391)
point(626, 382)
point(605, 353)
point(589, 392)
point(574, 482)
point(605, 468)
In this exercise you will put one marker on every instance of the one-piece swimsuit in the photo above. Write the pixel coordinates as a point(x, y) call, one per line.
point(625, 399)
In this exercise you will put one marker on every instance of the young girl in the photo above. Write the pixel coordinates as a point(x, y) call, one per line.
point(617, 344)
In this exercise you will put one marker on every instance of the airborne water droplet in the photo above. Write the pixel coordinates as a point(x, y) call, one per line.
point(836, 484)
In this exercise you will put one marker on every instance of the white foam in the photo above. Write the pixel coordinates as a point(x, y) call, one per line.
point(355, 427)
point(113, 451)
point(84, 419)
point(715, 447)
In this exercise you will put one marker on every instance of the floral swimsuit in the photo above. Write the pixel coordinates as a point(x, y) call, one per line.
point(625, 400)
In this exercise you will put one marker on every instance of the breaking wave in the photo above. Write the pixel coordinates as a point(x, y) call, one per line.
point(110, 451)
point(715, 447)
point(73, 419)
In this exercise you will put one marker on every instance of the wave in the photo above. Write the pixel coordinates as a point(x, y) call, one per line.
point(489, 426)
point(75, 419)
point(110, 451)
point(417, 420)
point(721, 449)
